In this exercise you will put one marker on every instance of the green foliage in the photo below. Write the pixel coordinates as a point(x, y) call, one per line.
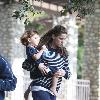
point(84, 7)
point(37, 26)
point(80, 62)
point(23, 12)
point(80, 52)
point(80, 37)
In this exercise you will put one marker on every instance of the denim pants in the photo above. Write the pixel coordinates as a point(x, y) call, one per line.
point(42, 95)
point(2, 95)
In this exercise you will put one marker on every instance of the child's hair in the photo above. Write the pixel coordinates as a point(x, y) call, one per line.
point(47, 38)
point(27, 34)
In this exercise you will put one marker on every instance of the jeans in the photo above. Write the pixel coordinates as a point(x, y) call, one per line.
point(2, 95)
point(42, 95)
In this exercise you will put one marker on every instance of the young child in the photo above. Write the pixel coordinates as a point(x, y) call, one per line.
point(30, 39)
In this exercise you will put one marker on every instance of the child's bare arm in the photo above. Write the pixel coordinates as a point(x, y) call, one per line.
point(38, 55)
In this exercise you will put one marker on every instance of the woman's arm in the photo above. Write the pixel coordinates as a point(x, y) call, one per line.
point(67, 74)
point(66, 68)
point(43, 69)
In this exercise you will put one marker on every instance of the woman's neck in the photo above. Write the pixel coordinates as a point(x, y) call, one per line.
point(53, 46)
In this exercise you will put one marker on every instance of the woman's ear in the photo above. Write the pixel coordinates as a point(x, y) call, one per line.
point(53, 36)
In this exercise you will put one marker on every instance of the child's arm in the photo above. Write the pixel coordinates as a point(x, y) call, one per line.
point(38, 55)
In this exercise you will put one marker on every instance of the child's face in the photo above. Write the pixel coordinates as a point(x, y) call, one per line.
point(34, 40)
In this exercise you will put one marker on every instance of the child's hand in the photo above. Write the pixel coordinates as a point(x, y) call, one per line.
point(44, 48)
point(26, 94)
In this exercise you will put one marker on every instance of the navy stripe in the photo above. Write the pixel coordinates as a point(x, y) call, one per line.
point(55, 61)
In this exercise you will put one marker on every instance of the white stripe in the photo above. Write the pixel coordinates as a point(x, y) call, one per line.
point(56, 65)
point(56, 60)
point(47, 54)
point(38, 88)
point(46, 81)
point(52, 57)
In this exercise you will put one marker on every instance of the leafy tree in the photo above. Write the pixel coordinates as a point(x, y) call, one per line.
point(80, 62)
point(83, 7)
point(37, 26)
point(80, 52)
point(24, 11)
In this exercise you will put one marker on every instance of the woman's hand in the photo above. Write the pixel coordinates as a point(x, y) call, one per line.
point(43, 69)
point(60, 73)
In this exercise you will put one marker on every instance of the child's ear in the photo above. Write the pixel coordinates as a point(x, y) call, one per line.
point(29, 40)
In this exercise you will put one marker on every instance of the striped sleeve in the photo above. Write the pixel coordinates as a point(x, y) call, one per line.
point(66, 68)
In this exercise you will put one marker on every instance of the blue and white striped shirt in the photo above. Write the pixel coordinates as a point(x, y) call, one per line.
point(55, 61)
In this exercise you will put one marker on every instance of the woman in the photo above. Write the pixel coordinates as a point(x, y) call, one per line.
point(57, 57)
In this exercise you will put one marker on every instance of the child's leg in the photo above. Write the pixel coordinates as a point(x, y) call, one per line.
point(54, 85)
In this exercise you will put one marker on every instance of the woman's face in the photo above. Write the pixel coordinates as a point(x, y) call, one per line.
point(34, 40)
point(58, 41)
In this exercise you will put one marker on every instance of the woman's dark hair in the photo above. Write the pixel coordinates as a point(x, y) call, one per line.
point(27, 34)
point(47, 38)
